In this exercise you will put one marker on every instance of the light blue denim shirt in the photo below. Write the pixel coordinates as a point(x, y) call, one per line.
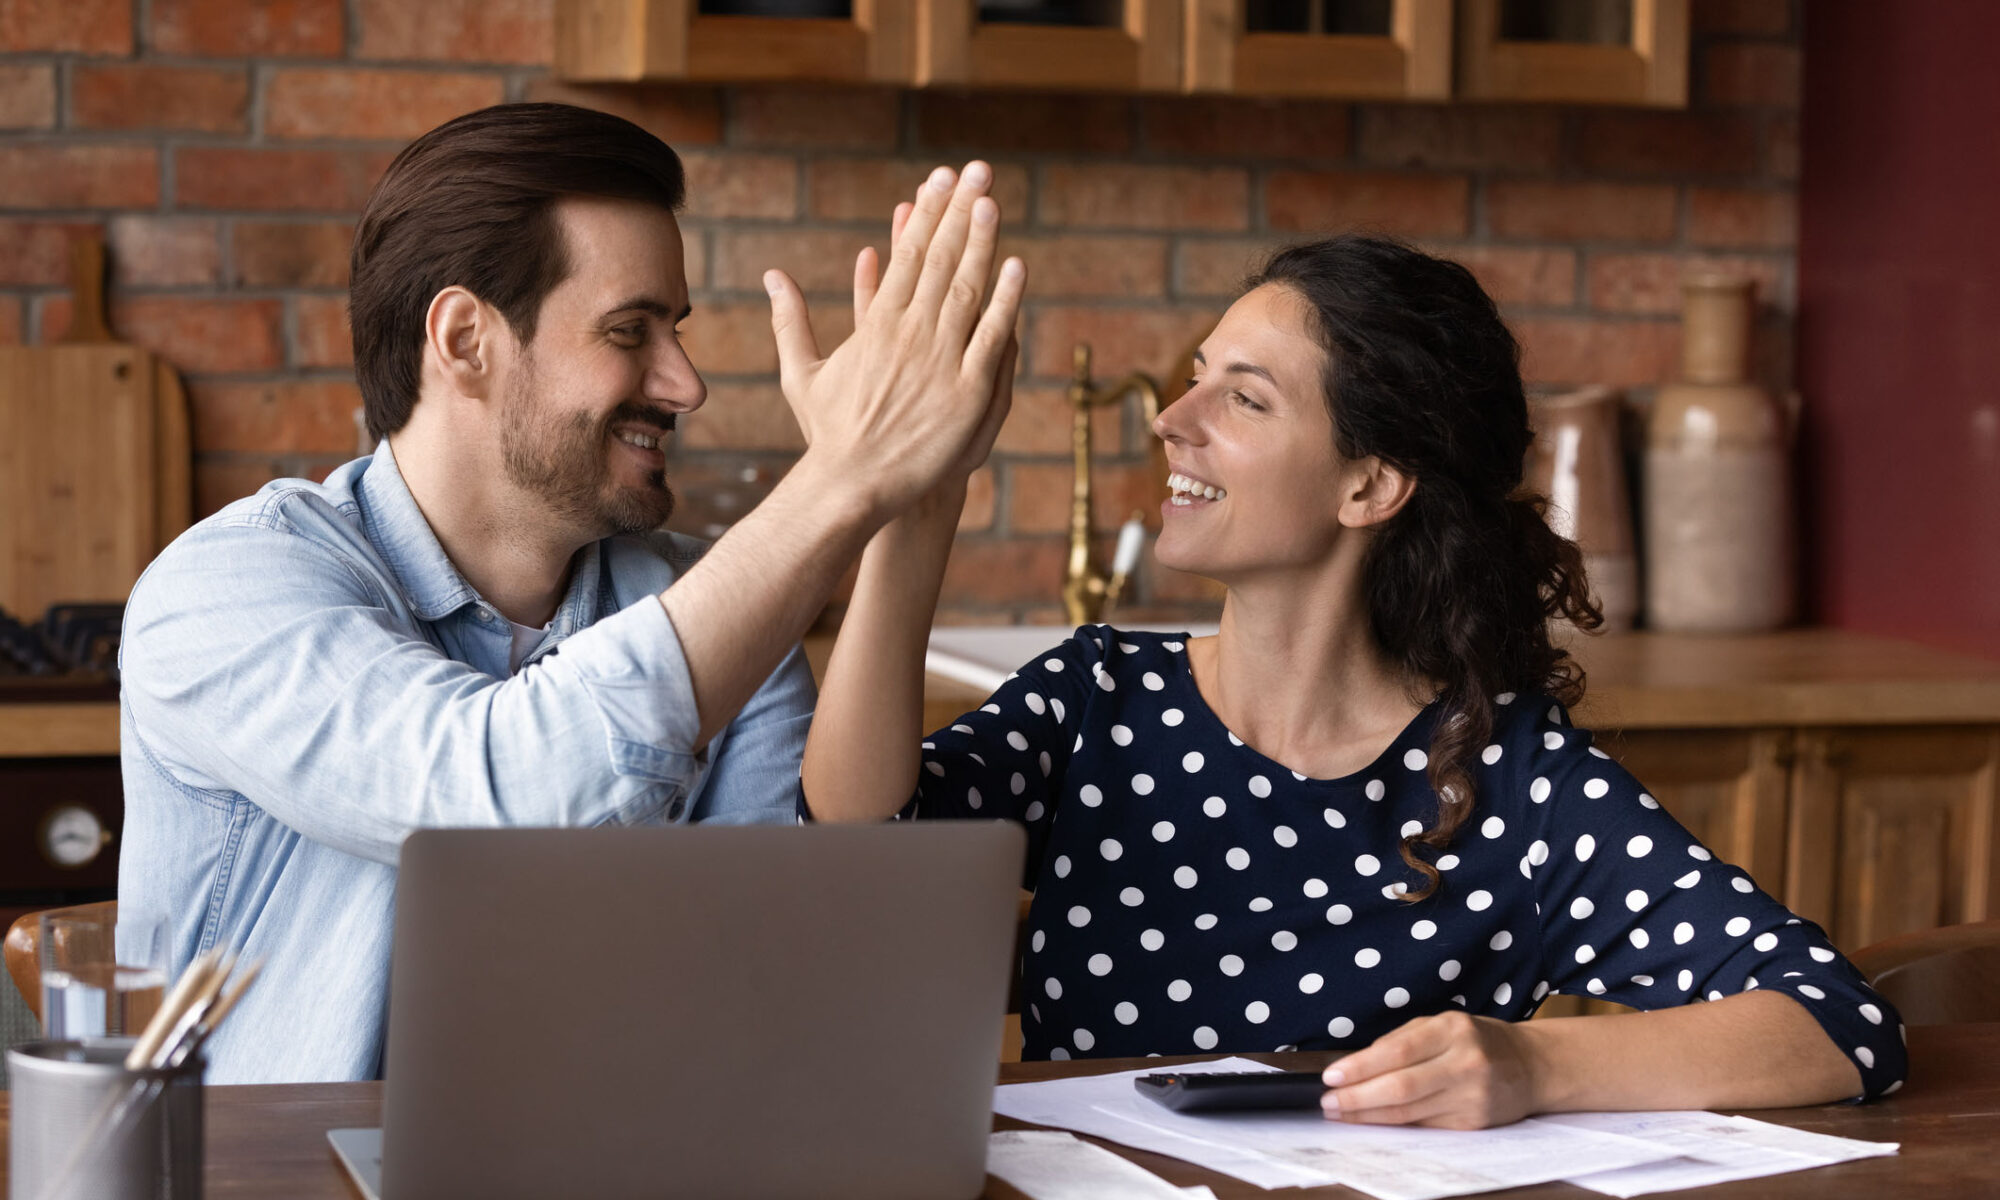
point(308, 679)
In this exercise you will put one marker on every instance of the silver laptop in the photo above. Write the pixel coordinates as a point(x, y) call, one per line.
point(710, 1011)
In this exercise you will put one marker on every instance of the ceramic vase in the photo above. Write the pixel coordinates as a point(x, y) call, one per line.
point(1578, 462)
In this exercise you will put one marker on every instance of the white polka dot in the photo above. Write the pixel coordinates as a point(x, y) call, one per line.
point(1581, 907)
point(1448, 970)
point(1585, 847)
point(1310, 984)
point(1392, 890)
point(1538, 853)
point(1479, 901)
point(1538, 791)
point(1395, 997)
point(1447, 862)
point(1260, 904)
point(1191, 761)
point(1056, 707)
point(1646, 801)
point(1079, 916)
point(1864, 1055)
point(1643, 980)
point(1375, 789)
point(1315, 888)
point(1552, 740)
point(1035, 703)
point(1256, 1012)
point(1285, 836)
point(1040, 939)
point(1503, 994)
point(1766, 942)
point(972, 798)
point(1699, 852)
point(1688, 880)
point(961, 729)
point(1172, 717)
point(1586, 954)
point(1058, 1054)
point(1185, 876)
point(1152, 939)
point(1493, 827)
point(935, 769)
point(1231, 965)
point(1683, 933)
point(1062, 866)
point(1807, 989)
point(1737, 926)
point(1367, 956)
point(1636, 900)
point(1366, 864)
point(1121, 735)
point(1142, 784)
point(1214, 806)
point(1639, 847)
point(1131, 897)
point(1090, 796)
point(1490, 755)
point(1821, 954)
point(1034, 812)
point(1639, 938)
point(1053, 987)
point(1334, 819)
point(1237, 858)
point(1500, 941)
point(1410, 829)
point(1339, 914)
point(1595, 788)
point(1152, 681)
point(1053, 664)
point(1163, 831)
point(1083, 1039)
point(1205, 921)
point(1416, 760)
point(1873, 1014)
point(1743, 885)
point(1204, 1038)
point(1126, 1012)
point(1233, 739)
point(1339, 1027)
point(1015, 739)
point(1685, 979)
point(1099, 964)
point(1260, 787)
point(1424, 931)
point(1110, 849)
point(1179, 990)
point(1104, 681)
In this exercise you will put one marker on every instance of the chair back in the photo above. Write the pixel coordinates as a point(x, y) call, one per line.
point(24, 947)
point(1943, 976)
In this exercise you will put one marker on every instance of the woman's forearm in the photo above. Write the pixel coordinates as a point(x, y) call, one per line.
point(862, 754)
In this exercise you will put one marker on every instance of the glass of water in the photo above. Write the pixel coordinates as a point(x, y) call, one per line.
point(102, 976)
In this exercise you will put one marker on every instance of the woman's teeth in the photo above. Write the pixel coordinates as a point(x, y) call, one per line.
point(638, 439)
point(1187, 491)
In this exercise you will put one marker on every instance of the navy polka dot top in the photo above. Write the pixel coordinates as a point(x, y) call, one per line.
point(1192, 895)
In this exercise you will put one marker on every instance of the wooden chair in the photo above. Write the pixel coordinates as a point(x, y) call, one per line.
point(24, 947)
point(1943, 976)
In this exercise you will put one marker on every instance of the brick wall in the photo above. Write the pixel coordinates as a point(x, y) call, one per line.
point(225, 147)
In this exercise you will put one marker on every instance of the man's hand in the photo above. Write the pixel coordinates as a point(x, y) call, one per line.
point(1451, 1071)
point(917, 394)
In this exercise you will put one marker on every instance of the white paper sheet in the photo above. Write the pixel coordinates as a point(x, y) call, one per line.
point(1056, 1166)
point(1712, 1149)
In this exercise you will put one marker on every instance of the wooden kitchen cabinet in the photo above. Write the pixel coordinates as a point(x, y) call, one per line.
point(1382, 50)
point(1574, 51)
point(1113, 45)
point(626, 41)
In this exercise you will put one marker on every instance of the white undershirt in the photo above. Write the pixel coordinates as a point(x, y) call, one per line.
point(525, 641)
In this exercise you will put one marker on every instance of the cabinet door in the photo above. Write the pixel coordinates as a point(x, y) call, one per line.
point(1893, 830)
point(600, 41)
point(1574, 51)
point(1100, 45)
point(1350, 49)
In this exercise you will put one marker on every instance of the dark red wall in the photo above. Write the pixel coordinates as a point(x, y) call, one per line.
point(1899, 318)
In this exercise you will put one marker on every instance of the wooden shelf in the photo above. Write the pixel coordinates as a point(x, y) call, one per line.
point(1652, 69)
point(58, 730)
point(627, 41)
point(1412, 63)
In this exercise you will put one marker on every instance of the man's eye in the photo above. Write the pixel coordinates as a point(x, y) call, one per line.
point(629, 335)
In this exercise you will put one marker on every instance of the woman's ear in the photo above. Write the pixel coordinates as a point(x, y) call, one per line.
point(1372, 491)
point(458, 341)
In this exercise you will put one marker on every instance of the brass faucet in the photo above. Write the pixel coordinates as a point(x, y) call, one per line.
point(1089, 588)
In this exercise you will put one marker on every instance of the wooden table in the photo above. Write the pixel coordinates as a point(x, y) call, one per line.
point(271, 1141)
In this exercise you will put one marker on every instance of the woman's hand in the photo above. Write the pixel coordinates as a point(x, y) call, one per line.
point(1451, 1071)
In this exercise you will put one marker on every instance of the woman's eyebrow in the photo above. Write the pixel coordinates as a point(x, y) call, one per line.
point(1242, 368)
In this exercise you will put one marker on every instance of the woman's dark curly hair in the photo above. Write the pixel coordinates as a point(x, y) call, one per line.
point(1461, 583)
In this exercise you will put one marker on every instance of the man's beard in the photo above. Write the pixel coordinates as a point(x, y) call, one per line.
point(561, 459)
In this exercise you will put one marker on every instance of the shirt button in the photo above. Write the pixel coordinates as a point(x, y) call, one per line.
point(675, 809)
point(484, 616)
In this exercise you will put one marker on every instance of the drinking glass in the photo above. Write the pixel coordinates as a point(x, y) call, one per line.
point(101, 976)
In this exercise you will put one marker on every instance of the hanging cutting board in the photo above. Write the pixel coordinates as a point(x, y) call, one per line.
point(94, 460)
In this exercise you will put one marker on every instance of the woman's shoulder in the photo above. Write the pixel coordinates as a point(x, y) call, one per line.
point(1533, 738)
point(1102, 649)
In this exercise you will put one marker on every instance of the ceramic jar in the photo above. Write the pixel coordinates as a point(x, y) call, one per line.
point(1578, 462)
point(1719, 554)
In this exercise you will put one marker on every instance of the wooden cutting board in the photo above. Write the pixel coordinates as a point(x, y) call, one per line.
point(94, 459)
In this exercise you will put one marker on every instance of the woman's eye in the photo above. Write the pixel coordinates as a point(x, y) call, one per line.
point(1246, 401)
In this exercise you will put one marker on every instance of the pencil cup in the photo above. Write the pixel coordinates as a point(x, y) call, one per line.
point(85, 1128)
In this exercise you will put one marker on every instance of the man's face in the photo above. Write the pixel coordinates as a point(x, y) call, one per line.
point(589, 403)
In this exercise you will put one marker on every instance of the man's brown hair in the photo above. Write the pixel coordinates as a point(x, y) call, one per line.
point(472, 203)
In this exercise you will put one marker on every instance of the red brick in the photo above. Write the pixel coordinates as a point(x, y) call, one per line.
point(320, 337)
point(1781, 148)
point(1457, 137)
point(284, 416)
point(1526, 276)
point(1580, 211)
point(742, 416)
point(218, 484)
point(985, 123)
point(998, 572)
point(1650, 284)
point(821, 260)
point(694, 257)
point(494, 31)
point(1041, 420)
point(36, 253)
point(1371, 201)
point(48, 320)
point(27, 96)
point(1741, 16)
point(291, 254)
point(1130, 197)
point(978, 511)
point(734, 337)
point(1689, 143)
point(678, 116)
point(1739, 218)
point(92, 176)
point(1224, 127)
point(1218, 267)
point(239, 177)
point(869, 189)
point(1579, 350)
point(10, 321)
point(1757, 74)
point(1038, 495)
point(66, 26)
point(1152, 340)
point(194, 333)
point(248, 28)
point(829, 118)
point(368, 103)
point(1062, 266)
point(722, 184)
point(165, 251)
point(145, 96)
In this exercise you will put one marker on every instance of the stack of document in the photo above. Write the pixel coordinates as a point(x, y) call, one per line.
point(1620, 1154)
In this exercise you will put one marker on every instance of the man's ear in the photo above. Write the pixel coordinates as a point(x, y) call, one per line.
point(461, 340)
point(1373, 491)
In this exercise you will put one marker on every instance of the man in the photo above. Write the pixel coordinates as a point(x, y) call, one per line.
point(475, 626)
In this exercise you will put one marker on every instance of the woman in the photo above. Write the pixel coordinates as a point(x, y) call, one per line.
point(1357, 818)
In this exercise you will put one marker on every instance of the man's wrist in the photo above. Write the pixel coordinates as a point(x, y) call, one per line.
point(849, 499)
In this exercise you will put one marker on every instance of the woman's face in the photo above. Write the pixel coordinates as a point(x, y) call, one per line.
point(1253, 426)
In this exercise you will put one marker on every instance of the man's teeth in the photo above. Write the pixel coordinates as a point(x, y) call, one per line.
point(638, 439)
point(1187, 491)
